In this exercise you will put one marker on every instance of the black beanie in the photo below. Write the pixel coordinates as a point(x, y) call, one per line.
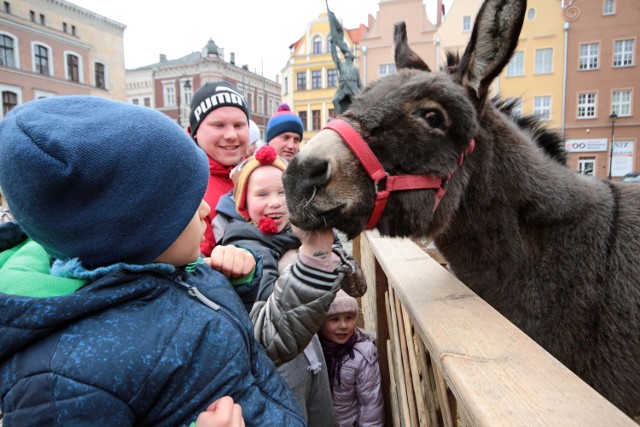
point(211, 96)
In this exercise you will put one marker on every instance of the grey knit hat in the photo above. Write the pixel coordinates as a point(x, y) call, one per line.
point(99, 180)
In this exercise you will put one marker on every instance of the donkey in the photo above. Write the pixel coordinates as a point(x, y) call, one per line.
point(423, 153)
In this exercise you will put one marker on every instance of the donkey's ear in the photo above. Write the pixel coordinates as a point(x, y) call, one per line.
point(404, 56)
point(494, 38)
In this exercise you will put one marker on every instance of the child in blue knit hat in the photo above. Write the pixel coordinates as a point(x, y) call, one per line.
point(108, 314)
point(284, 132)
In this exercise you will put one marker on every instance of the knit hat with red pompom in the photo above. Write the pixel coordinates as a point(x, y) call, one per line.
point(284, 121)
point(265, 156)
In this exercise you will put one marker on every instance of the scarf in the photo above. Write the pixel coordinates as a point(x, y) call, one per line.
point(336, 354)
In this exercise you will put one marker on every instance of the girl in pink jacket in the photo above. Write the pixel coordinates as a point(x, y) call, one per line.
point(352, 362)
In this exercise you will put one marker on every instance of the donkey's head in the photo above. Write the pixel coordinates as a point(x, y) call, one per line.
point(418, 125)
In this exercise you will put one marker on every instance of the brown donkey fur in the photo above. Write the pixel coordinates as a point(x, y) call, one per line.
point(557, 253)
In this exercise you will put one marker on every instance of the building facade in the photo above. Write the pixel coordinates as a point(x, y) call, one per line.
point(53, 47)
point(169, 85)
point(603, 87)
point(310, 78)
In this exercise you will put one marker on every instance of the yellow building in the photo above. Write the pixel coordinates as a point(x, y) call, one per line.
point(310, 79)
point(535, 73)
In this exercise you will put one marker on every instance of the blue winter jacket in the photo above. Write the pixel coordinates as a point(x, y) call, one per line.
point(140, 345)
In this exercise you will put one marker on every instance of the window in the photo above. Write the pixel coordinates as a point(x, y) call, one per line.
point(73, 71)
point(317, 45)
point(623, 53)
point(544, 61)
point(621, 102)
point(135, 101)
point(41, 60)
point(516, 65)
point(531, 13)
point(286, 85)
point(587, 105)
point(64, 27)
point(7, 7)
point(517, 106)
point(332, 77)
point(609, 7)
point(466, 23)
point(589, 56)
point(147, 101)
point(302, 81)
point(9, 100)
point(32, 16)
point(260, 104)
point(42, 19)
point(332, 113)
point(316, 79)
point(586, 165)
point(315, 118)
point(303, 117)
point(7, 58)
point(385, 69)
point(542, 107)
point(73, 30)
point(99, 75)
point(169, 94)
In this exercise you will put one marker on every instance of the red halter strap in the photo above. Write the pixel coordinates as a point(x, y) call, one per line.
point(384, 182)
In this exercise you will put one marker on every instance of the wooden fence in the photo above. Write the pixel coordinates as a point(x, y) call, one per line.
point(447, 358)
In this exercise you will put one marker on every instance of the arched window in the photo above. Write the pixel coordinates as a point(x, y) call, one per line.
point(7, 54)
point(99, 75)
point(317, 44)
point(41, 61)
point(9, 101)
point(73, 71)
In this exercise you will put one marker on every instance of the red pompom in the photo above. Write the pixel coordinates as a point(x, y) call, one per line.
point(283, 108)
point(267, 226)
point(266, 155)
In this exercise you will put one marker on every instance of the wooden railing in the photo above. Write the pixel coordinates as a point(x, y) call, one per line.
point(447, 358)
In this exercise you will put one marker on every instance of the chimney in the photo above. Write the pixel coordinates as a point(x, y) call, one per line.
point(232, 58)
point(163, 57)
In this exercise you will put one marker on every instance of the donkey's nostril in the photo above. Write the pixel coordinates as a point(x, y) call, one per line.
point(317, 170)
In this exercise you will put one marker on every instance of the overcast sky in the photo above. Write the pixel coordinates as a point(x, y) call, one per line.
point(259, 32)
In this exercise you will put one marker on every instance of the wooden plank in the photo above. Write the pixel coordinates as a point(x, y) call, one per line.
point(499, 376)
point(406, 365)
point(403, 406)
point(393, 392)
point(416, 372)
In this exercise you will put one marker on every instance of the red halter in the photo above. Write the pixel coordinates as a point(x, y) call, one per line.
point(384, 182)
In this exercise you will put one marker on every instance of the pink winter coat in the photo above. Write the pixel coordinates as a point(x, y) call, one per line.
point(358, 399)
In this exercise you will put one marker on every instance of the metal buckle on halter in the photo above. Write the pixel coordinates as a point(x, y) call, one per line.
point(382, 184)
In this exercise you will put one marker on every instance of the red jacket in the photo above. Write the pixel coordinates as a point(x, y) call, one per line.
point(219, 184)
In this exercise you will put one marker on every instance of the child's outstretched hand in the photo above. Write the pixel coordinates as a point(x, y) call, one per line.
point(317, 243)
point(221, 413)
point(231, 261)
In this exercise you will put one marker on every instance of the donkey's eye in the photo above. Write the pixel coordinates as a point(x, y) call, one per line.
point(434, 119)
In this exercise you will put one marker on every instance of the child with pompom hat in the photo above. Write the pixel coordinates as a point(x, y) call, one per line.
point(301, 273)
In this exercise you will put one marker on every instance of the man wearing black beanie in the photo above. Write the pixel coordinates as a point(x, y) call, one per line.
point(219, 124)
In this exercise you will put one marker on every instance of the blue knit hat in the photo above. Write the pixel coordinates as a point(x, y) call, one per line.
point(99, 180)
point(284, 121)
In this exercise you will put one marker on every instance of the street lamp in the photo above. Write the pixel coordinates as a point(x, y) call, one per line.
point(186, 85)
point(613, 117)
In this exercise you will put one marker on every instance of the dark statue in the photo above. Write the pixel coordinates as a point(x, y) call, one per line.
point(349, 83)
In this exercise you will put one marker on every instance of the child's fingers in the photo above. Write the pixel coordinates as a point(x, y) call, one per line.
point(231, 261)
